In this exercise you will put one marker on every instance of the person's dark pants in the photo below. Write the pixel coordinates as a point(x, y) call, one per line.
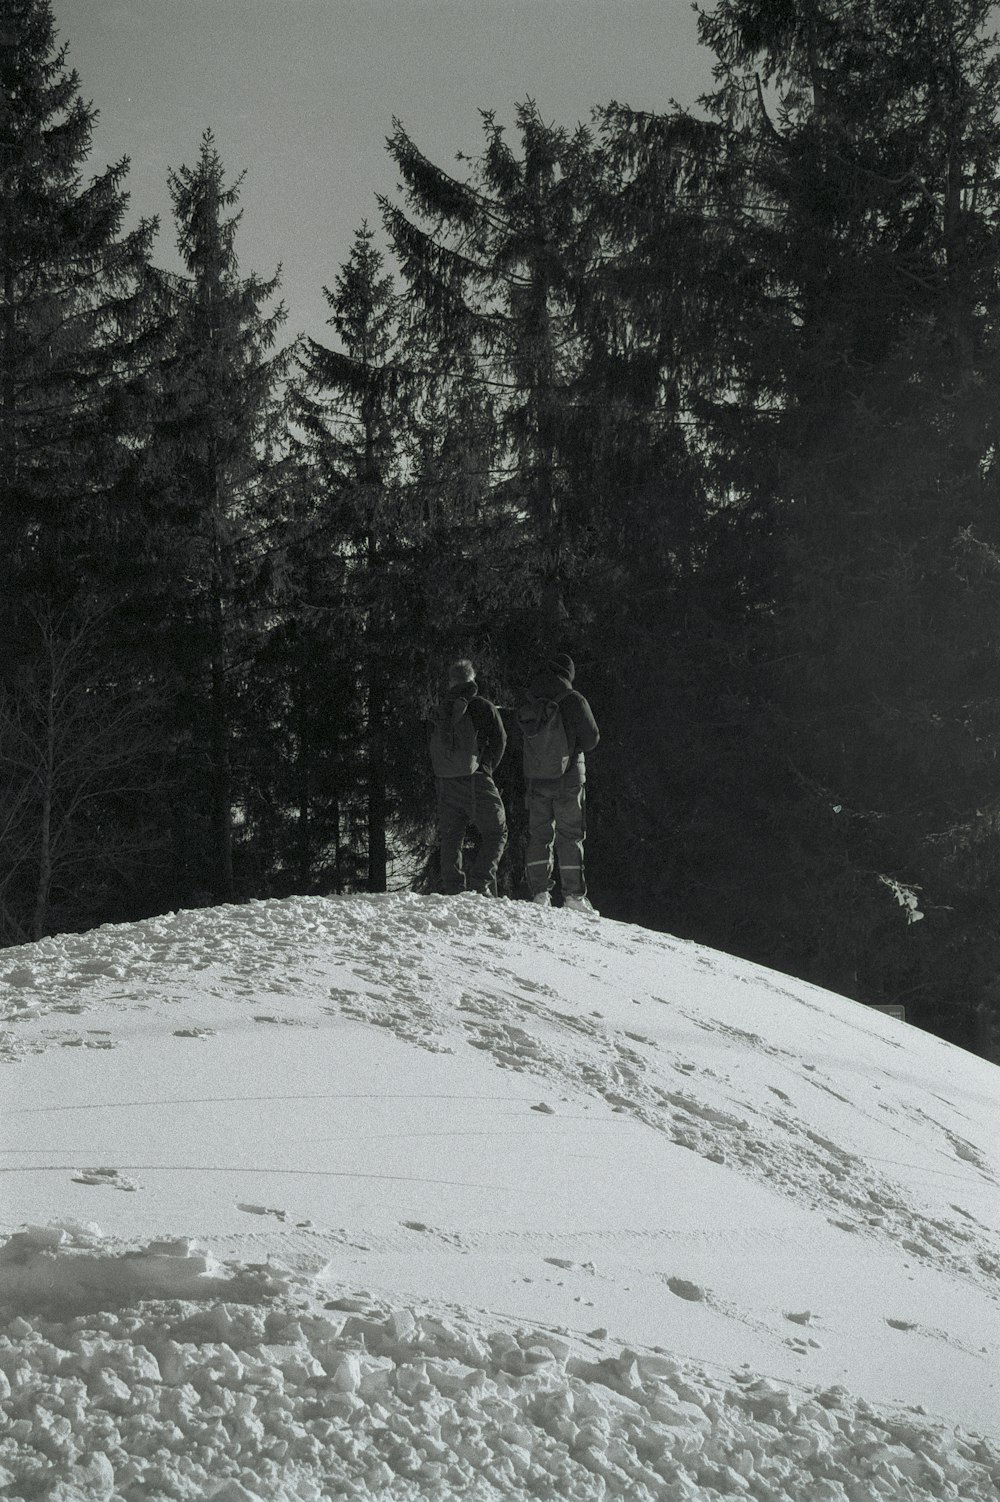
point(556, 816)
point(463, 801)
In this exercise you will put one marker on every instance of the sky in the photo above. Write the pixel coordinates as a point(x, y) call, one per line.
point(404, 1196)
point(302, 94)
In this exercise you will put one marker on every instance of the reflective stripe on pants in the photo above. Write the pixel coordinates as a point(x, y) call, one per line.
point(556, 820)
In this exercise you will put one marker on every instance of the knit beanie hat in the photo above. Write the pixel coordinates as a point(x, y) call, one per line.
point(562, 666)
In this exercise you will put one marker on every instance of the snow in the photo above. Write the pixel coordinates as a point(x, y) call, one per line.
point(407, 1197)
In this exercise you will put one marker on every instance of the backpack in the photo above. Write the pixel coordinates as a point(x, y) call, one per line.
point(454, 744)
point(544, 738)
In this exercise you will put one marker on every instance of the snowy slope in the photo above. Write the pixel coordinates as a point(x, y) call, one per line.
point(428, 1197)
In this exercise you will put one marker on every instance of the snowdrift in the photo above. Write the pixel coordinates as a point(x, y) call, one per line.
point(437, 1197)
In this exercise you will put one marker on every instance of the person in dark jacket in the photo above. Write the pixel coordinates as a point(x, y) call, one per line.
point(471, 796)
point(557, 804)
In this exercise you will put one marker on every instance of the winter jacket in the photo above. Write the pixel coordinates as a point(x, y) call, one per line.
point(490, 733)
point(582, 733)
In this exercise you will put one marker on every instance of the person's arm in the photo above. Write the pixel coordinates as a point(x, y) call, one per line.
point(490, 732)
point(582, 728)
point(498, 737)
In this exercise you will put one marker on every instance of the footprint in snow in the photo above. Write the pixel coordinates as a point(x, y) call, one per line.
point(802, 1347)
point(337, 993)
point(685, 1290)
point(194, 1032)
point(109, 1178)
point(261, 1210)
point(449, 1238)
point(969, 1216)
point(282, 1021)
point(966, 1153)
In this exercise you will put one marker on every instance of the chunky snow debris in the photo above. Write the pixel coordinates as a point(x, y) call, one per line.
point(257, 1396)
point(371, 1167)
point(51, 1268)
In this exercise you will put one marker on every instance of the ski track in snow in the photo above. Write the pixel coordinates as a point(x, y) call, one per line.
point(410, 983)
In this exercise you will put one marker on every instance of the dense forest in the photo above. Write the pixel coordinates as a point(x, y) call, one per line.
point(707, 399)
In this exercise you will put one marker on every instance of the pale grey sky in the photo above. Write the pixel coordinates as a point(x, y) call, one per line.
point(302, 93)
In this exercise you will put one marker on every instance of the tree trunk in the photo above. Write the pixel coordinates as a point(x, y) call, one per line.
point(303, 834)
point(221, 775)
point(377, 857)
point(338, 848)
point(40, 921)
point(9, 521)
point(377, 854)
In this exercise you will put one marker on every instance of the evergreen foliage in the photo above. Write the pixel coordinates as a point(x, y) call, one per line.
point(497, 266)
point(704, 398)
point(879, 168)
point(76, 320)
point(72, 306)
point(349, 409)
point(212, 457)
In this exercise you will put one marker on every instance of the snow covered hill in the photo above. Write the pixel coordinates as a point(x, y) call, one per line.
point(402, 1197)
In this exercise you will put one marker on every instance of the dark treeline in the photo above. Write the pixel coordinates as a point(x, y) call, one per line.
point(707, 399)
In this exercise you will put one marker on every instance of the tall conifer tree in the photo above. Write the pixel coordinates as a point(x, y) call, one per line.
point(217, 423)
point(496, 264)
point(71, 305)
point(678, 381)
point(75, 315)
point(351, 415)
point(870, 139)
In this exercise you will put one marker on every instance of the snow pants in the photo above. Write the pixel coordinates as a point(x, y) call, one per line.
point(463, 801)
point(556, 817)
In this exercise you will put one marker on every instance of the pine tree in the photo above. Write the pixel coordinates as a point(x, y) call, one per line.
point(870, 139)
point(78, 742)
point(350, 413)
point(218, 420)
point(76, 320)
point(674, 558)
point(73, 305)
point(496, 264)
point(558, 281)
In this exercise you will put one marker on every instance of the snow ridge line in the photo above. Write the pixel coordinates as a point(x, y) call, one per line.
point(384, 940)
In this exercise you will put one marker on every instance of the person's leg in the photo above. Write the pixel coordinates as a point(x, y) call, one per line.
point(571, 830)
point(453, 819)
point(541, 832)
point(490, 819)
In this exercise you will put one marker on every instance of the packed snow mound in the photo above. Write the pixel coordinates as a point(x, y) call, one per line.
point(239, 1401)
point(435, 1197)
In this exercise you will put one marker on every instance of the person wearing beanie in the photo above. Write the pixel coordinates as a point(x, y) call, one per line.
point(557, 730)
point(562, 666)
point(466, 742)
